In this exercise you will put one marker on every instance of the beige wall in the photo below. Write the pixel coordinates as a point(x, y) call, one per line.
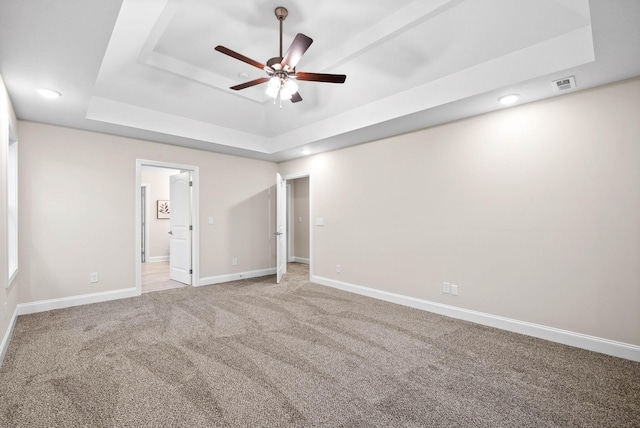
point(77, 215)
point(300, 217)
point(158, 188)
point(533, 211)
point(8, 295)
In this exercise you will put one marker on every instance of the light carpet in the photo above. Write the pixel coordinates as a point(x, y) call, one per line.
point(251, 353)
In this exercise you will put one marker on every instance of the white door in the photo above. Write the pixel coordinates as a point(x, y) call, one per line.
point(180, 225)
point(281, 231)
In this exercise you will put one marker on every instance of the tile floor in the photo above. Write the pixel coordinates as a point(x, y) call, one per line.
point(155, 277)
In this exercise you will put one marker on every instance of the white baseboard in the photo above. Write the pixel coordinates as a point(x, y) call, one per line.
point(300, 260)
point(158, 259)
point(67, 302)
point(579, 340)
point(236, 276)
point(4, 346)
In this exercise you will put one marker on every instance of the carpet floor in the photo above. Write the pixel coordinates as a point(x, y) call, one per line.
point(251, 353)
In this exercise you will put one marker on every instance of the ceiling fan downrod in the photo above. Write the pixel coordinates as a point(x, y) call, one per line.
point(281, 14)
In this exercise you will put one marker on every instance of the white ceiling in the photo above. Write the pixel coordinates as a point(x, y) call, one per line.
point(147, 68)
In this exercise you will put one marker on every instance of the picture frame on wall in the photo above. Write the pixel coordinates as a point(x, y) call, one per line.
point(163, 209)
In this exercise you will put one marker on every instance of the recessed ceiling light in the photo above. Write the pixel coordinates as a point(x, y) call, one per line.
point(306, 151)
point(243, 75)
point(49, 93)
point(509, 99)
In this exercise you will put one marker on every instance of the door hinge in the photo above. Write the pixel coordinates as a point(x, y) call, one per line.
point(191, 184)
point(190, 227)
point(190, 271)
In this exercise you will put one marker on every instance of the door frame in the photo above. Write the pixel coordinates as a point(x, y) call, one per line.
point(147, 210)
point(195, 217)
point(281, 227)
point(293, 176)
point(290, 222)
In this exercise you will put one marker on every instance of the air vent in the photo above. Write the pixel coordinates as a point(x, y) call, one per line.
point(565, 84)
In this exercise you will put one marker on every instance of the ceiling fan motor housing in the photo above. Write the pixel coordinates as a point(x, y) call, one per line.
point(275, 63)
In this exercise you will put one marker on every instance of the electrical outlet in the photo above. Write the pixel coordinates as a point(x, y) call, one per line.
point(93, 277)
point(446, 287)
point(338, 268)
point(234, 261)
point(454, 289)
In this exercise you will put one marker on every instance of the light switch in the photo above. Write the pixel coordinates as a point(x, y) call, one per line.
point(210, 219)
point(299, 219)
point(319, 221)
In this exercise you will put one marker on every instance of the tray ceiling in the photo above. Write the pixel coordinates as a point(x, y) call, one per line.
point(151, 71)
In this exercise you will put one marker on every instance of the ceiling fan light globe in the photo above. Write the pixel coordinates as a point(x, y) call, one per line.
point(284, 95)
point(290, 87)
point(273, 87)
point(273, 93)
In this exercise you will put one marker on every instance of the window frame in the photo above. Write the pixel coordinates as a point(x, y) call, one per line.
point(11, 180)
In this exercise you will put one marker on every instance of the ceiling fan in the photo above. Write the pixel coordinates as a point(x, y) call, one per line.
point(281, 70)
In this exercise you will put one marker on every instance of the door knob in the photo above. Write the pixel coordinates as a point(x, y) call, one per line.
point(170, 233)
point(278, 233)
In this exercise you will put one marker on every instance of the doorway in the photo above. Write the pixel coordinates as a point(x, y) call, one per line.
point(156, 228)
point(297, 218)
point(298, 227)
point(156, 251)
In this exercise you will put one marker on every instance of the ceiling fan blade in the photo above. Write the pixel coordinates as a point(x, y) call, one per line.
point(298, 47)
point(236, 55)
point(296, 98)
point(250, 83)
point(321, 77)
